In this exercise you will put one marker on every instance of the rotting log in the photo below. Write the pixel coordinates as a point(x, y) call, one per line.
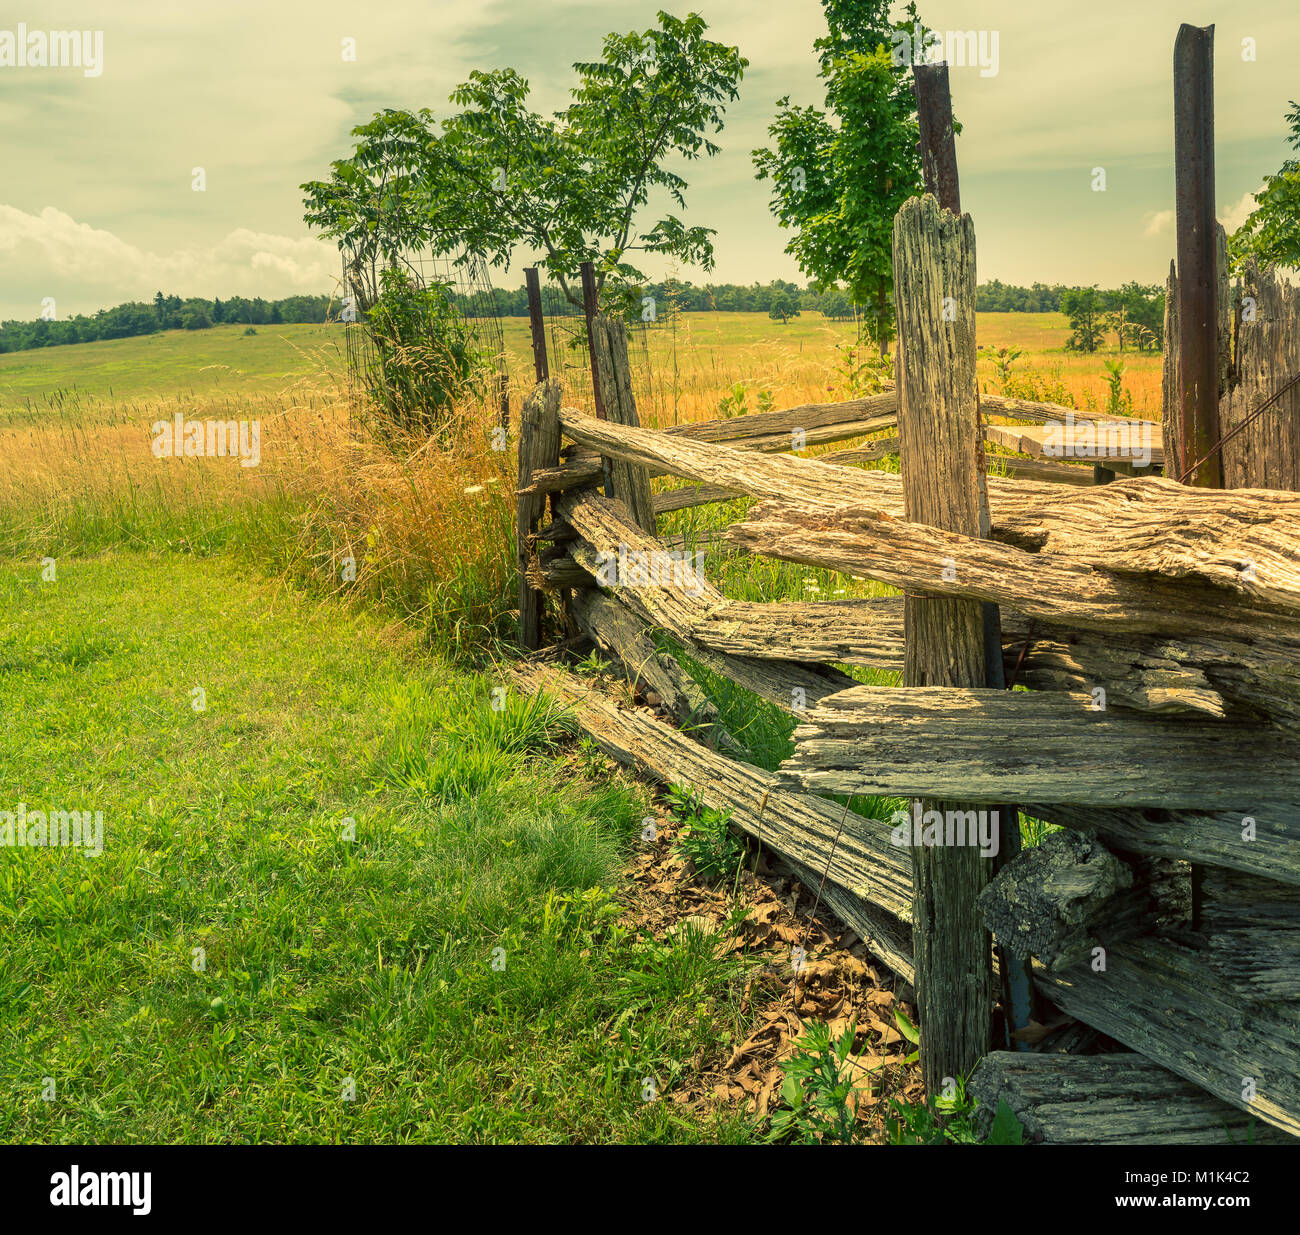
point(613, 629)
point(631, 483)
point(539, 447)
point(1061, 899)
point(940, 453)
point(668, 593)
point(864, 862)
point(1114, 1099)
point(992, 746)
point(1161, 998)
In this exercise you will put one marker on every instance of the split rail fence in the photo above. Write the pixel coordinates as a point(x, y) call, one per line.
point(1151, 631)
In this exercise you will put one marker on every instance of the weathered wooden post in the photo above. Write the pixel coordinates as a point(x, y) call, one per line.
point(630, 481)
point(939, 168)
point(1198, 272)
point(537, 322)
point(539, 447)
point(590, 309)
point(934, 299)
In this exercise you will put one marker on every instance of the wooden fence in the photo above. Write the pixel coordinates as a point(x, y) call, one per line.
point(1156, 627)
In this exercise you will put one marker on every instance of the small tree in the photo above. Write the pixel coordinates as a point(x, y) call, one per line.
point(782, 307)
point(498, 175)
point(1085, 307)
point(840, 175)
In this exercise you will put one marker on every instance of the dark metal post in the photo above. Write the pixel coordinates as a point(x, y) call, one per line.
point(538, 323)
point(939, 170)
point(1198, 275)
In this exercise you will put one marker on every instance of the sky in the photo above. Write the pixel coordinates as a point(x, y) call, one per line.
point(97, 197)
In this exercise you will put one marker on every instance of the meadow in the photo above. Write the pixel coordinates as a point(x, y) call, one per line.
point(341, 606)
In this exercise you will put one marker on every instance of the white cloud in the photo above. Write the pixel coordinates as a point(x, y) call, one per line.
point(1159, 223)
point(80, 263)
point(1232, 217)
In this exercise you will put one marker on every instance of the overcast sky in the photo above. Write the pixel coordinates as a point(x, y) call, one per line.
point(97, 204)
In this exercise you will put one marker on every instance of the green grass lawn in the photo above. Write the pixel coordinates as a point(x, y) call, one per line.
point(234, 965)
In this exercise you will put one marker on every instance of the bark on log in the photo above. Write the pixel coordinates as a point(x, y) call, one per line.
point(864, 862)
point(781, 422)
point(995, 746)
point(1061, 899)
point(1114, 1099)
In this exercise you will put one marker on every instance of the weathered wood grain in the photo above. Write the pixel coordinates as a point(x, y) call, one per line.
point(673, 596)
point(631, 484)
point(1157, 997)
point(1112, 1099)
point(940, 455)
point(539, 447)
point(993, 746)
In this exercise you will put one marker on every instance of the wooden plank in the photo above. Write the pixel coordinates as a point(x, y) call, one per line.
point(1265, 455)
point(781, 422)
point(944, 742)
point(1113, 1099)
point(864, 862)
point(539, 447)
point(1117, 440)
point(939, 453)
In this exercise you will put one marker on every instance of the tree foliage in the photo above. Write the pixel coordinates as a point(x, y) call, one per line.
point(1271, 234)
point(840, 174)
point(497, 175)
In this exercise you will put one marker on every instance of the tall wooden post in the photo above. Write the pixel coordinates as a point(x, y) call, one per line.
point(1198, 274)
point(539, 447)
point(537, 322)
point(590, 308)
point(631, 481)
point(939, 168)
point(934, 299)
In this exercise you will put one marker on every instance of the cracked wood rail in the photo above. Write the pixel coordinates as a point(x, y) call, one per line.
point(1031, 746)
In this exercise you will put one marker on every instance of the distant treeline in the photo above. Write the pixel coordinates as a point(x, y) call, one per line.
point(1142, 304)
point(139, 317)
